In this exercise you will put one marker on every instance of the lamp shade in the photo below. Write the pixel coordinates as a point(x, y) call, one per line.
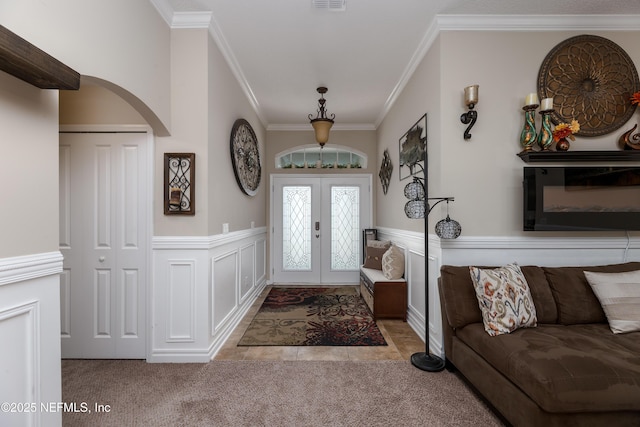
point(321, 127)
point(415, 209)
point(414, 190)
point(448, 228)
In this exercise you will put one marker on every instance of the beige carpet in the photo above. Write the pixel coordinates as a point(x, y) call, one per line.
point(268, 393)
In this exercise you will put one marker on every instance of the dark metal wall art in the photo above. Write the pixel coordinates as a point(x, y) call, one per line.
point(386, 168)
point(591, 80)
point(179, 183)
point(413, 145)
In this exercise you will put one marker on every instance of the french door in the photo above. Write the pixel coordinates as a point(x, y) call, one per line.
point(317, 227)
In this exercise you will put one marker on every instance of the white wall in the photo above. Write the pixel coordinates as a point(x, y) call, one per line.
point(123, 42)
point(29, 258)
point(484, 174)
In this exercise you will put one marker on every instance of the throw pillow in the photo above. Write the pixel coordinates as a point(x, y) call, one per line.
point(619, 295)
point(393, 263)
point(374, 258)
point(504, 298)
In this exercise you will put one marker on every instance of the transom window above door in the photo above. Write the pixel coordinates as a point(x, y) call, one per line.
point(329, 157)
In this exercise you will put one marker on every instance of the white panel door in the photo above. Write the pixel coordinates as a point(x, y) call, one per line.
point(103, 239)
point(317, 228)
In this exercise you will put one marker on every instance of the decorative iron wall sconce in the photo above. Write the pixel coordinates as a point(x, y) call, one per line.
point(179, 183)
point(470, 117)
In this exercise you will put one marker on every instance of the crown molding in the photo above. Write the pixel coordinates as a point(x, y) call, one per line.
point(221, 42)
point(307, 127)
point(538, 22)
point(439, 23)
point(191, 19)
point(505, 23)
point(423, 47)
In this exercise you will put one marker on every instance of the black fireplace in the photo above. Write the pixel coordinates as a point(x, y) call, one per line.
point(581, 198)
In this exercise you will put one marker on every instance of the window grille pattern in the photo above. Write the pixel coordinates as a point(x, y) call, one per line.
point(296, 228)
point(345, 227)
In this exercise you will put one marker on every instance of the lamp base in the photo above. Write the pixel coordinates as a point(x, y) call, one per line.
point(427, 362)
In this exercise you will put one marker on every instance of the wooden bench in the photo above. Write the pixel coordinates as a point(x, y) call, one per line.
point(387, 299)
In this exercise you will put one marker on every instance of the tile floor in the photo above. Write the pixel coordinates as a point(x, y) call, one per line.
point(402, 342)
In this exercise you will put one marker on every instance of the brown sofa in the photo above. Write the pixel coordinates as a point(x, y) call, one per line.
point(570, 370)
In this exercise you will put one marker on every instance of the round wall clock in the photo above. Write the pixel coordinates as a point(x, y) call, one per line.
point(590, 79)
point(245, 157)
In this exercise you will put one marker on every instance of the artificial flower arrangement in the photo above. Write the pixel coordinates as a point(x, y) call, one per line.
point(564, 130)
point(635, 98)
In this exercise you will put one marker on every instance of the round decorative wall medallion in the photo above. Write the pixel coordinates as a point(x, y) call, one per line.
point(245, 157)
point(591, 79)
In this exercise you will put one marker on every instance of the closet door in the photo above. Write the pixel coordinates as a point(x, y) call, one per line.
point(104, 243)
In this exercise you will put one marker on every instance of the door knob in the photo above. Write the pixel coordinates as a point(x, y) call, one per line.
point(101, 259)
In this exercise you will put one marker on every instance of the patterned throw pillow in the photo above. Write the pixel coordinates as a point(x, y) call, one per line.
point(619, 295)
point(393, 263)
point(504, 299)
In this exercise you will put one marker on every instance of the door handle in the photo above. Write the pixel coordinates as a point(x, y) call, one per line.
point(101, 259)
point(317, 225)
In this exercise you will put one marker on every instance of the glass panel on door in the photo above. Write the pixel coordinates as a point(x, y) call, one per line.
point(296, 228)
point(345, 228)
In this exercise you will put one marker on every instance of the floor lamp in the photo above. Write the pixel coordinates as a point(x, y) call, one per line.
point(418, 207)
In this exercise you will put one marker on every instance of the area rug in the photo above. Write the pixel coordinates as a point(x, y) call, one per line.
point(330, 316)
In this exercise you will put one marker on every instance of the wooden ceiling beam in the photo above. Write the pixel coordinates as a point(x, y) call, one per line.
point(25, 61)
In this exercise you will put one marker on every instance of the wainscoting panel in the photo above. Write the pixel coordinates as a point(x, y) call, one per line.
point(226, 274)
point(180, 302)
point(20, 326)
point(498, 250)
point(261, 261)
point(30, 333)
point(247, 270)
point(225, 288)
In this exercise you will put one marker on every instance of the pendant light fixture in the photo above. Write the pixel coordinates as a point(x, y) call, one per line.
point(321, 123)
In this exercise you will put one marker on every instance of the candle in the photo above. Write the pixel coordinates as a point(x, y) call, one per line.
point(175, 194)
point(471, 95)
point(532, 99)
point(547, 104)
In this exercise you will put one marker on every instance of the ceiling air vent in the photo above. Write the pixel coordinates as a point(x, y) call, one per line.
point(331, 5)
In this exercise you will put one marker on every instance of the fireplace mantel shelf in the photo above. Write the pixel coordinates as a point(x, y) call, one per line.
point(579, 156)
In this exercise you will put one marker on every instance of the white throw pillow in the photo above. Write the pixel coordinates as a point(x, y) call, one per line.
point(393, 263)
point(504, 298)
point(619, 296)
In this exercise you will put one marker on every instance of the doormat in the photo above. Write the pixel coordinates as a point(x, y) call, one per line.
point(331, 316)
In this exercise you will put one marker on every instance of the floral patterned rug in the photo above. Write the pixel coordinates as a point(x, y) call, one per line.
point(331, 316)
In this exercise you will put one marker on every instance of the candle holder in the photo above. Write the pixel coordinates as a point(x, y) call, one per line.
point(470, 117)
point(528, 134)
point(545, 137)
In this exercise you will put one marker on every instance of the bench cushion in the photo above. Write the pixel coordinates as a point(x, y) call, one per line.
point(377, 275)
